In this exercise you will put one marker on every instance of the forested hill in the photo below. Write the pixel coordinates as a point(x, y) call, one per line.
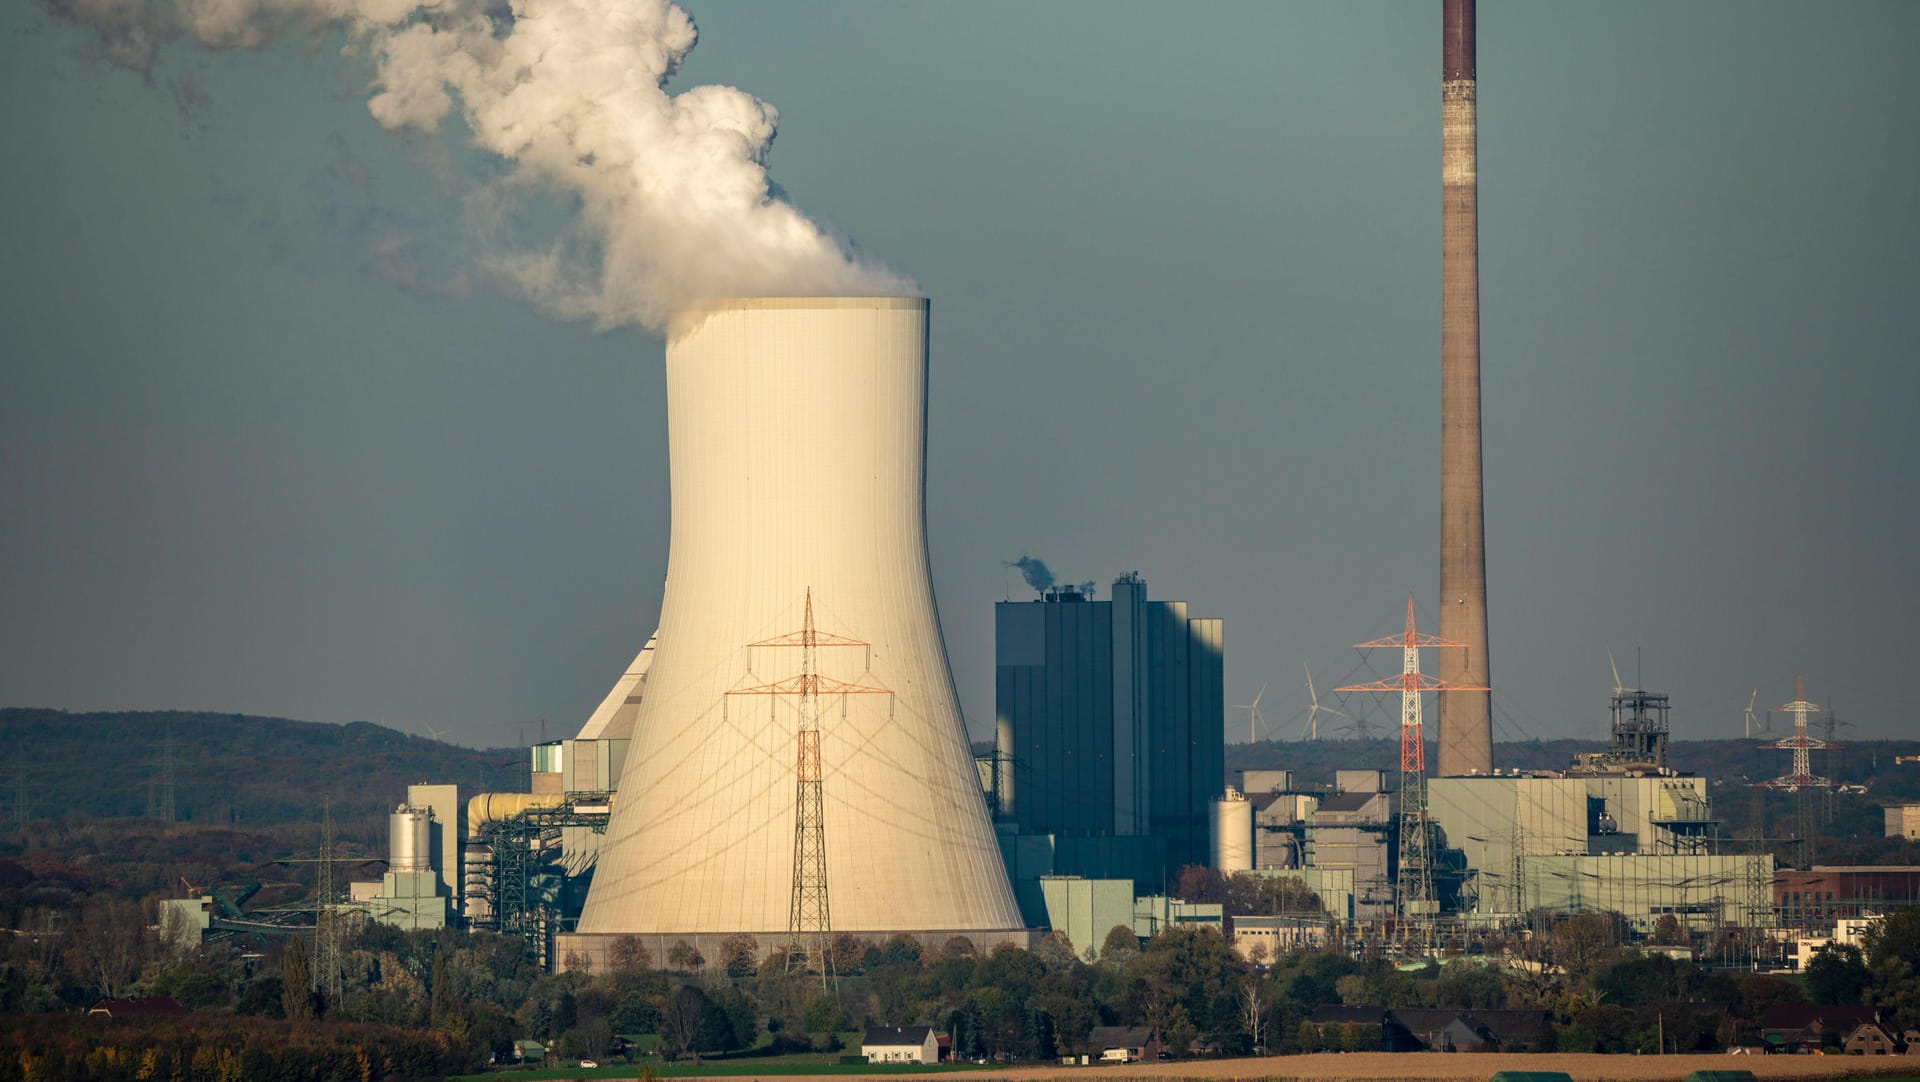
point(237, 769)
point(229, 769)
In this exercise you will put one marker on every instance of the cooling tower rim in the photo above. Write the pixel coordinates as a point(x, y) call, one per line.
point(689, 316)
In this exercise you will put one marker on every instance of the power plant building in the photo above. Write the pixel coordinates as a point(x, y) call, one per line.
point(799, 735)
point(1110, 725)
point(1642, 844)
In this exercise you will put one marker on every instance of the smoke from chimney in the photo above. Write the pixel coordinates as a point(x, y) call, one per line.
point(674, 202)
point(1039, 578)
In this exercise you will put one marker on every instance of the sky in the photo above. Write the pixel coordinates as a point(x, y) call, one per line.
point(274, 441)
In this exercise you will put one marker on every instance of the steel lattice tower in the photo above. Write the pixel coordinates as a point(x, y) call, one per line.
point(160, 804)
point(810, 913)
point(326, 924)
point(1413, 886)
point(810, 921)
point(1801, 780)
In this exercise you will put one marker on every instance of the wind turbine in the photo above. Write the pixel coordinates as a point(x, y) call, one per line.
point(1754, 721)
point(1253, 714)
point(438, 736)
point(1312, 729)
point(1618, 687)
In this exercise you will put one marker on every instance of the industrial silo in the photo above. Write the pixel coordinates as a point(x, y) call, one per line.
point(798, 575)
point(1232, 833)
point(409, 839)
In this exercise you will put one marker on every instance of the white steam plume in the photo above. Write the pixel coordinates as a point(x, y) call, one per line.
point(674, 201)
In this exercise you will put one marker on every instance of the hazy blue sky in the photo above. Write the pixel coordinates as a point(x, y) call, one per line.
point(270, 445)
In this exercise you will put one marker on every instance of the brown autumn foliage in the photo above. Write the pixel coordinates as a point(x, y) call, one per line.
point(219, 1049)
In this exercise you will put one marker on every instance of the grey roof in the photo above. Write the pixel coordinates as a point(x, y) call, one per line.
point(1512, 1028)
point(1328, 1013)
point(897, 1035)
point(1105, 1037)
point(1784, 1016)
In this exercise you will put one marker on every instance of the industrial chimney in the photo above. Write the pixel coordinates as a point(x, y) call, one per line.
point(798, 621)
point(1466, 723)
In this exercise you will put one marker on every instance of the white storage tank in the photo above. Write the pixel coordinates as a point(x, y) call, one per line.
point(410, 843)
point(1233, 833)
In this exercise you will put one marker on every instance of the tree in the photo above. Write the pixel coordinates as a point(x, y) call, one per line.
point(1120, 945)
point(900, 949)
point(739, 955)
point(1759, 991)
point(1582, 942)
point(1056, 951)
point(110, 945)
point(1669, 932)
point(1253, 1008)
point(1178, 1034)
point(628, 957)
point(848, 953)
point(1468, 987)
point(684, 1021)
point(444, 1007)
point(1199, 883)
point(296, 980)
point(1246, 894)
point(732, 1022)
point(685, 956)
point(1893, 954)
point(1838, 974)
point(636, 1014)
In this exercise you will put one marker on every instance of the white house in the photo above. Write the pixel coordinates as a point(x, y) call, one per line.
point(900, 1044)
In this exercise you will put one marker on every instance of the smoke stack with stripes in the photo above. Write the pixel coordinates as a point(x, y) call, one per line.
point(1466, 725)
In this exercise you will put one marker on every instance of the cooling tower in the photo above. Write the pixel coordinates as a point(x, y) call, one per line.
point(797, 436)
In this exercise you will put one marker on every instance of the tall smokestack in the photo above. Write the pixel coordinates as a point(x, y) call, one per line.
point(1466, 722)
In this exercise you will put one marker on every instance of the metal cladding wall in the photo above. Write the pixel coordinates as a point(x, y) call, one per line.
point(1054, 695)
point(1190, 768)
point(1112, 716)
point(797, 431)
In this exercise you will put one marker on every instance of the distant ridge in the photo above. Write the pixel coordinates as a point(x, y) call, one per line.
point(228, 768)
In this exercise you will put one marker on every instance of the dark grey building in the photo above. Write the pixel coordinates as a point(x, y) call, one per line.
point(1110, 719)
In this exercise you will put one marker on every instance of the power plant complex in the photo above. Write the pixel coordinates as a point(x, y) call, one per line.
point(786, 759)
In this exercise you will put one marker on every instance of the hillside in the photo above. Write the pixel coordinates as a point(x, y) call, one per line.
point(228, 769)
point(246, 772)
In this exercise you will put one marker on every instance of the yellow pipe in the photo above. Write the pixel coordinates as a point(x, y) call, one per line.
point(485, 808)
